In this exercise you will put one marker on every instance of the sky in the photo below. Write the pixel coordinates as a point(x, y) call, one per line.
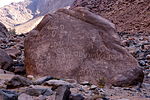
point(7, 2)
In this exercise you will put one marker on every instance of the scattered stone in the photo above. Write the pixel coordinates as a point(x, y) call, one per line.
point(24, 96)
point(18, 81)
point(76, 97)
point(129, 78)
point(148, 57)
point(13, 52)
point(148, 75)
point(42, 80)
point(5, 78)
point(85, 83)
point(19, 70)
point(93, 87)
point(38, 92)
point(58, 83)
point(8, 95)
point(5, 60)
point(30, 77)
point(62, 93)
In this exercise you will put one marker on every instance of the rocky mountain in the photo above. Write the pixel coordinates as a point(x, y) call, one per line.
point(128, 15)
point(29, 12)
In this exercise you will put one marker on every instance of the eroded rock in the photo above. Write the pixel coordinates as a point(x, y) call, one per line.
point(76, 44)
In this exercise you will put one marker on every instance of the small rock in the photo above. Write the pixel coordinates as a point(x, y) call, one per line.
point(142, 63)
point(76, 97)
point(123, 99)
point(148, 57)
point(39, 91)
point(18, 81)
point(6, 61)
point(148, 75)
point(25, 97)
point(93, 87)
point(19, 70)
point(58, 83)
point(13, 52)
point(42, 80)
point(8, 95)
point(30, 77)
point(62, 93)
point(85, 83)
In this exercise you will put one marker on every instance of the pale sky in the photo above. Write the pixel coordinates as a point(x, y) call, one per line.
point(7, 2)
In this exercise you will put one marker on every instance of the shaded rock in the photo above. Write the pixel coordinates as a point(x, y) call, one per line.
point(76, 97)
point(39, 91)
point(4, 78)
point(76, 44)
point(129, 78)
point(42, 80)
point(5, 72)
point(5, 60)
point(25, 97)
point(62, 93)
point(3, 30)
point(19, 70)
point(18, 81)
point(51, 97)
point(8, 95)
point(13, 52)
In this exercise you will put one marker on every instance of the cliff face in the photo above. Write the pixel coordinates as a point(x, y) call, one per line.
point(17, 14)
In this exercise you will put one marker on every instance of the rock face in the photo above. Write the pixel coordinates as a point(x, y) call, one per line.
point(76, 44)
point(121, 13)
point(3, 30)
point(5, 60)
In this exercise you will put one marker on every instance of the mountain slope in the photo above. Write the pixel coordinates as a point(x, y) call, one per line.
point(128, 15)
point(17, 14)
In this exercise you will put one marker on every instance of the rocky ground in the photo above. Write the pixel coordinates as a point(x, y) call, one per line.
point(14, 85)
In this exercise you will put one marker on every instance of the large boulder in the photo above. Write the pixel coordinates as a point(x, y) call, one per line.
point(3, 30)
point(77, 44)
point(6, 61)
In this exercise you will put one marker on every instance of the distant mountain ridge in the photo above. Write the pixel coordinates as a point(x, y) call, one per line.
point(17, 14)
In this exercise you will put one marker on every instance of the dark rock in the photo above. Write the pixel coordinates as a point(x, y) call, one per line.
point(42, 80)
point(3, 31)
point(39, 91)
point(129, 78)
point(18, 81)
point(6, 61)
point(76, 97)
point(62, 93)
point(19, 70)
point(8, 95)
point(13, 52)
point(76, 44)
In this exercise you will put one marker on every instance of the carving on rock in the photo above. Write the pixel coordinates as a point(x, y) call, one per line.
point(84, 47)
